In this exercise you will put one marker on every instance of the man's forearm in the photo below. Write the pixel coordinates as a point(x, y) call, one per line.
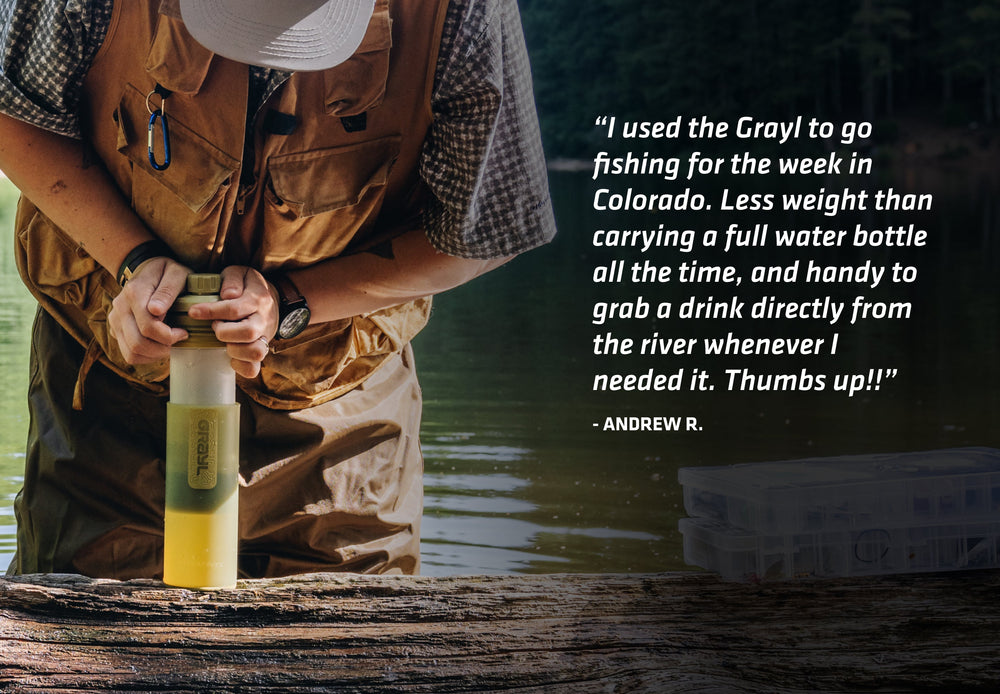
point(357, 284)
point(84, 202)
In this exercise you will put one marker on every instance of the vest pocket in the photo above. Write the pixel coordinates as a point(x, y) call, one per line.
point(318, 201)
point(358, 84)
point(197, 170)
point(74, 289)
point(175, 60)
point(184, 203)
point(330, 359)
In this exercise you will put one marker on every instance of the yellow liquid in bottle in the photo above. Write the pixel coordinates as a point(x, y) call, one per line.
point(201, 518)
point(200, 549)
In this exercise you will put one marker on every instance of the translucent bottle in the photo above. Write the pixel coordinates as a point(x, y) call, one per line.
point(201, 520)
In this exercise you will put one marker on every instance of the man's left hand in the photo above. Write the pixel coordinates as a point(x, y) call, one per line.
point(245, 317)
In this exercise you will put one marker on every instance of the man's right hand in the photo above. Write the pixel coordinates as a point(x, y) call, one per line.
point(137, 314)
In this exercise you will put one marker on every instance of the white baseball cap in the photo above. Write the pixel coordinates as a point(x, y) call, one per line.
point(296, 35)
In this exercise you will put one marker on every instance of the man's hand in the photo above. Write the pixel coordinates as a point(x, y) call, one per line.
point(245, 317)
point(137, 314)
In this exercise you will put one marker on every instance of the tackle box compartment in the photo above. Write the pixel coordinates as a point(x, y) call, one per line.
point(738, 554)
point(930, 488)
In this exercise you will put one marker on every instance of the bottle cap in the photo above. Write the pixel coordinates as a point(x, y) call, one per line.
point(204, 283)
point(201, 288)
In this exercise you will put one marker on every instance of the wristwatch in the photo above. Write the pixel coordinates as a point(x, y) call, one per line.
point(293, 311)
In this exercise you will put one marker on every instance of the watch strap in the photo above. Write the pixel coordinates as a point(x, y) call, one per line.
point(288, 293)
point(146, 250)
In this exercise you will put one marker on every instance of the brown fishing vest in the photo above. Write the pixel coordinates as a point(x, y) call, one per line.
point(332, 169)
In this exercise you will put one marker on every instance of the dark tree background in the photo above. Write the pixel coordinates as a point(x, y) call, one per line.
point(875, 60)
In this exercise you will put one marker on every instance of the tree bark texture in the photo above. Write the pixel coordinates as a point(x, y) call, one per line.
point(676, 632)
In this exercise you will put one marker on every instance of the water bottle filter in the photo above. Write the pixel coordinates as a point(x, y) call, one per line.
point(845, 516)
point(201, 519)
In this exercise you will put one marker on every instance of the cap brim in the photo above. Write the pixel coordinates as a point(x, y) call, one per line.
point(296, 35)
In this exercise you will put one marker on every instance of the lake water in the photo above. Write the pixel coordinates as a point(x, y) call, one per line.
point(519, 478)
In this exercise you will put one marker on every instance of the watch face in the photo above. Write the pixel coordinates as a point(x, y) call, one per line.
point(294, 323)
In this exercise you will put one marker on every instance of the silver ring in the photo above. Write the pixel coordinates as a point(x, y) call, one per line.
point(264, 340)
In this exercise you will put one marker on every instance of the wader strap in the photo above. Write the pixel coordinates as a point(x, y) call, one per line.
point(92, 354)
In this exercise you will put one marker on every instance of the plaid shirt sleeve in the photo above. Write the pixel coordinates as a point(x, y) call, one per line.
point(483, 161)
point(46, 47)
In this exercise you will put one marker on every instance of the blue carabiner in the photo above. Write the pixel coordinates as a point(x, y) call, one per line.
point(158, 114)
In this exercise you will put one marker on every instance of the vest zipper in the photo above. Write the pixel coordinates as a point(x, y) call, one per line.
point(247, 178)
point(260, 88)
point(241, 198)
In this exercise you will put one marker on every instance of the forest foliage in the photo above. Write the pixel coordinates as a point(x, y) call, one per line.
point(871, 60)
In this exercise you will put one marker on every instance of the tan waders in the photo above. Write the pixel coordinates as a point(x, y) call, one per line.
point(336, 487)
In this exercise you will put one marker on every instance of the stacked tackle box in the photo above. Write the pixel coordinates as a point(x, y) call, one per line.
point(845, 516)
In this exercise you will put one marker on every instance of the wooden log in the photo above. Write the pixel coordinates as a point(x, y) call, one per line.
point(676, 632)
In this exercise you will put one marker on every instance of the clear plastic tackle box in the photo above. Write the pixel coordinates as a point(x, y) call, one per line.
point(844, 516)
point(848, 493)
point(738, 554)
